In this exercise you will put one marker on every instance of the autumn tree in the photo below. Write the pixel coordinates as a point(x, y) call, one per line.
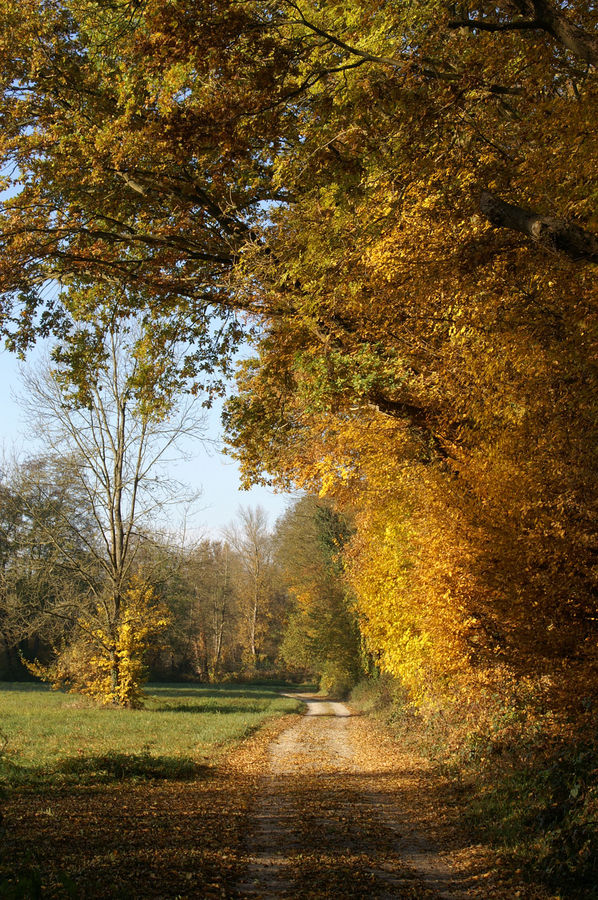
point(399, 201)
point(217, 617)
point(116, 437)
point(46, 527)
point(322, 635)
point(250, 539)
point(424, 366)
point(147, 144)
point(204, 637)
point(149, 174)
point(9, 616)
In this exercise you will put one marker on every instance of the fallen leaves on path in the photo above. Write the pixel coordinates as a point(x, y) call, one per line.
point(318, 826)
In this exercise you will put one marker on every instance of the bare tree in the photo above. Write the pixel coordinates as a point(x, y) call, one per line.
point(44, 529)
point(251, 540)
point(206, 620)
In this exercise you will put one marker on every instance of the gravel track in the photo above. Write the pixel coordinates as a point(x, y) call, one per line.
point(324, 805)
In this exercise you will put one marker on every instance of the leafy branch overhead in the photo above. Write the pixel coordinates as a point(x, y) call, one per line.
point(397, 204)
point(148, 147)
point(553, 19)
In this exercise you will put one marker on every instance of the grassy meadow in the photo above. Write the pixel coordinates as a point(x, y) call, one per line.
point(52, 737)
point(98, 800)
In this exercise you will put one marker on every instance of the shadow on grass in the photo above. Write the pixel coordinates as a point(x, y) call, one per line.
point(130, 766)
point(204, 694)
point(106, 768)
point(29, 687)
point(261, 691)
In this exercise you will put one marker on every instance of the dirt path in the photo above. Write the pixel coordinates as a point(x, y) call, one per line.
point(323, 805)
point(327, 820)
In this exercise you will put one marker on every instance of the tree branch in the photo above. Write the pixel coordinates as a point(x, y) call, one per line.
point(556, 235)
point(571, 36)
point(481, 25)
point(543, 16)
point(418, 418)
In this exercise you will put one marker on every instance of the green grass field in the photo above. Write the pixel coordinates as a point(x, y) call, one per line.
point(52, 737)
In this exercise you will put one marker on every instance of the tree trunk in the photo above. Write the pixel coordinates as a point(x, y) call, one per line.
point(113, 671)
point(540, 15)
point(571, 36)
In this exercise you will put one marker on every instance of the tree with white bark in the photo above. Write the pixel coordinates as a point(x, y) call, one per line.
point(251, 540)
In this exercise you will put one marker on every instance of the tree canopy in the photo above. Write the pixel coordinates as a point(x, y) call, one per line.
point(150, 141)
point(398, 202)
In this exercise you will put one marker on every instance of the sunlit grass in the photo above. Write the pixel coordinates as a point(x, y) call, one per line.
point(52, 736)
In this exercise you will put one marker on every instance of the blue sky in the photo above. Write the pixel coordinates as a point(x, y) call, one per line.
point(207, 469)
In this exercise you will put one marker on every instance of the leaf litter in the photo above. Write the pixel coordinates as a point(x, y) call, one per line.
point(319, 806)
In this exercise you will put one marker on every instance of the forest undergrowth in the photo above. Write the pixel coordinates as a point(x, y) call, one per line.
point(523, 769)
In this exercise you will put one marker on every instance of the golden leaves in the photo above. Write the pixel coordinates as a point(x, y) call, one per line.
point(104, 659)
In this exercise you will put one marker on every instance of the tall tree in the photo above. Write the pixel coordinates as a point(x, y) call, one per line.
point(322, 635)
point(251, 540)
point(115, 437)
point(423, 364)
point(47, 528)
point(401, 197)
point(148, 143)
point(212, 621)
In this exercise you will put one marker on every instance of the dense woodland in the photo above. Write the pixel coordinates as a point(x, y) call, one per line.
point(395, 205)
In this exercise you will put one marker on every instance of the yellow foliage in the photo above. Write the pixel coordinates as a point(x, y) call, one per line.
point(410, 626)
point(105, 660)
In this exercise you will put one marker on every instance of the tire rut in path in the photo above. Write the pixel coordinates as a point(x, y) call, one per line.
point(322, 825)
